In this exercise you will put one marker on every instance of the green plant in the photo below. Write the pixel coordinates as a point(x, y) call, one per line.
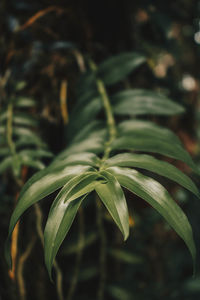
point(91, 163)
point(20, 145)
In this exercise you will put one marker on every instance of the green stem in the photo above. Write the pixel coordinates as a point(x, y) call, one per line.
point(10, 130)
point(108, 111)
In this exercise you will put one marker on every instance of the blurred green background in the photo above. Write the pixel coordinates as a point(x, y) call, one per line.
point(42, 44)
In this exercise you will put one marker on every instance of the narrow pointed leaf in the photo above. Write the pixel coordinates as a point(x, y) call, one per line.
point(35, 164)
point(24, 102)
point(37, 153)
point(118, 67)
point(150, 144)
point(63, 211)
point(142, 102)
point(113, 198)
point(154, 165)
point(147, 129)
point(25, 120)
point(158, 197)
point(39, 186)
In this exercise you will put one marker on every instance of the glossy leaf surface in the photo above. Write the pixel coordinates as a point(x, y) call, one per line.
point(158, 197)
point(113, 198)
point(63, 211)
point(118, 67)
point(152, 164)
point(142, 102)
point(39, 186)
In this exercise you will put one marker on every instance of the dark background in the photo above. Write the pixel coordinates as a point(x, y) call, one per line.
point(154, 263)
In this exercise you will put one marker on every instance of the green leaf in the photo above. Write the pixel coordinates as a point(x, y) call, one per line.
point(158, 145)
point(5, 164)
point(84, 113)
point(84, 158)
point(63, 211)
point(141, 102)
point(113, 198)
point(19, 119)
point(39, 186)
point(118, 67)
point(25, 120)
point(93, 144)
point(35, 164)
point(146, 129)
point(24, 102)
point(158, 197)
point(37, 153)
point(154, 165)
point(32, 140)
point(94, 127)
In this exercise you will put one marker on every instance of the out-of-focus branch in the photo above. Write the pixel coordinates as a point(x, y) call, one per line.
point(80, 60)
point(40, 14)
point(63, 101)
point(59, 278)
point(20, 268)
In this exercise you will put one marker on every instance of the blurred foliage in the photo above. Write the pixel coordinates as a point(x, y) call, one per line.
point(42, 44)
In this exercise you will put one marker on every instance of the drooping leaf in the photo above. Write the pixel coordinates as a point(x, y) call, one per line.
point(118, 67)
point(146, 129)
point(33, 140)
point(154, 165)
point(35, 164)
point(37, 153)
point(141, 102)
point(113, 198)
point(158, 197)
point(63, 211)
point(157, 145)
point(39, 186)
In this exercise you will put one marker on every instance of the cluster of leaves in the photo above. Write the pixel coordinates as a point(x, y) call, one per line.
point(105, 159)
point(20, 144)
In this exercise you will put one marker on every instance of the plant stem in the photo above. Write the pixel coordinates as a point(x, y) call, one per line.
point(108, 111)
point(20, 269)
point(59, 278)
point(112, 135)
